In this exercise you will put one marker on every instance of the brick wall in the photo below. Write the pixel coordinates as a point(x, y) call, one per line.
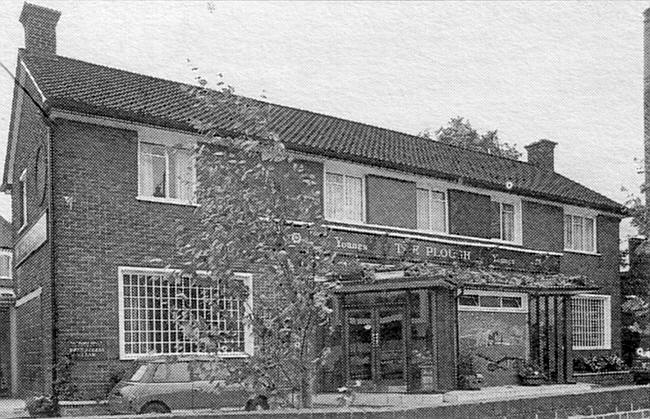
point(602, 270)
point(99, 226)
point(5, 353)
point(33, 319)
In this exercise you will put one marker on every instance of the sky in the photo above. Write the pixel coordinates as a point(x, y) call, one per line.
point(567, 71)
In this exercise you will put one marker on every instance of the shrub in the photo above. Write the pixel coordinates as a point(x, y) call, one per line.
point(607, 363)
point(40, 406)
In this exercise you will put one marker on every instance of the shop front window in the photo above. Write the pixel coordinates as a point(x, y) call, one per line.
point(151, 303)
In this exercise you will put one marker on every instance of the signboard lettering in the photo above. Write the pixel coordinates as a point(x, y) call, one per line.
point(391, 248)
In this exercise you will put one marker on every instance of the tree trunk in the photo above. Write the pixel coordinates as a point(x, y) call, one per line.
point(307, 390)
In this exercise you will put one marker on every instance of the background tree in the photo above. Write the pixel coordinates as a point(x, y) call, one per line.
point(251, 191)
point(459, 132)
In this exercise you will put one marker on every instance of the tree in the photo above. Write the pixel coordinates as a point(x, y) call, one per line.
point(258, 208)
point(459, 132)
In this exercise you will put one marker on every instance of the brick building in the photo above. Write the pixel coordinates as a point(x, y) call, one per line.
point(99, 166)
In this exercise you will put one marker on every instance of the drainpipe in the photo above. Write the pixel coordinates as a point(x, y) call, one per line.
point(50, 236)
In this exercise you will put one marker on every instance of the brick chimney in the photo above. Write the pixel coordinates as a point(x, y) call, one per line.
point(40, 28)
point(540, 153)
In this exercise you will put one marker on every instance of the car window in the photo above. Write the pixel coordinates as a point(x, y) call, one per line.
point(207, 371)
point(177, 372)
point(137, 376)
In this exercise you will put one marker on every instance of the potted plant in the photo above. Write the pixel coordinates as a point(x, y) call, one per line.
point(423, 361)
point(468, 379)
point(530, 374)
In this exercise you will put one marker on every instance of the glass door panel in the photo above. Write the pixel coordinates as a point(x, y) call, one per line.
point(360, 344)
point(391, 345)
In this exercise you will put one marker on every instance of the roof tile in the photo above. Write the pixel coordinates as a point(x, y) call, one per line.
point(77, 85)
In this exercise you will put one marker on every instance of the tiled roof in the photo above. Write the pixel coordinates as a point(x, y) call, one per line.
point(80, 86)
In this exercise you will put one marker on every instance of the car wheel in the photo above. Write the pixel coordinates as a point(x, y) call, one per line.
point(257, 403)
point(155, 407)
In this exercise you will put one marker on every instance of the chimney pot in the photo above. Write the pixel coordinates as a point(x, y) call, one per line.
point(40, 28)
point(540, 154)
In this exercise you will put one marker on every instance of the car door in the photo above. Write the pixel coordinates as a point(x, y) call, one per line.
point(171, 384)
point(211, 389)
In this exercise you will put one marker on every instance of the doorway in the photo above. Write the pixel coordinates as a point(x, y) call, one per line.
point(376, 346)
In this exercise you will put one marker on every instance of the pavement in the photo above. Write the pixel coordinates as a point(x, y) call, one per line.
point(14, 408)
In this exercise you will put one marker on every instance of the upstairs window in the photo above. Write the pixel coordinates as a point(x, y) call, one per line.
point(503, 221)
point(166, 172)
point(432, 210)
point(579, 233)
point(343, 197)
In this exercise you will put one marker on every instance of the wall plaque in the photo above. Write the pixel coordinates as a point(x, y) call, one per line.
point(87, 350)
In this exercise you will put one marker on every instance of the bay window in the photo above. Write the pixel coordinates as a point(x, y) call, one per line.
point(579, 233)
point(151, 301)
point(431, 210)
point(166, 172)
point(343, 197)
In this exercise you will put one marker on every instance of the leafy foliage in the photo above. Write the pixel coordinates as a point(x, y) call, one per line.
point(459, 132)
point(251, 193)
point(606, 363)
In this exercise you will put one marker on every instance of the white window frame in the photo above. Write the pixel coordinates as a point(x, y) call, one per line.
point(9, 254)
point(248, 305)
point(517, 228)
point(607, 321)
point(583, 214)
point(344, 170)
point(479, 293)
point(422, 182)
point(169, 140)
point(23, 198)
point(433, 189)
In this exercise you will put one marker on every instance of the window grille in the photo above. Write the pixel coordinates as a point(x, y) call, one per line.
point(591, 322)
point(151, 307)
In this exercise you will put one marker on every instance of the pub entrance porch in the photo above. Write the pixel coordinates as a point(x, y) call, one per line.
point(387, 330)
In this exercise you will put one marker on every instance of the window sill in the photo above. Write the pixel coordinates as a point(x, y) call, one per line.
point(582, 252)
point(166, 201)
point(592, 348)
point(229, 355)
